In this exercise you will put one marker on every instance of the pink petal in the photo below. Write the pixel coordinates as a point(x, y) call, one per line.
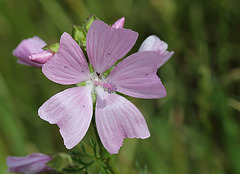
point(106, 45)
point(116, 119)
point(165, 57)
point(33, 163)
point(119, 23)
point(41, 57)
point(26, 48)
point(68, 65)
point(136, 76)
point(71, 110)
point(154, 43)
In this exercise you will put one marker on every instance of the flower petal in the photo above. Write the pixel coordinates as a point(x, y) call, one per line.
point(154, 43)
point(41, 57)
point(136, 76)
point(68, 65)
point(33, 163)
point(119, 23)
point(106, 45)
point(26, 48)
point(71, 110)
point(116, 119)
point(164, 57)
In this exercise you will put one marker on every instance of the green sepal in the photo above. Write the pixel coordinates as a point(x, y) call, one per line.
point(60, 161)
point(94, 98)
point(79, 35)
point(81, 84)
point(105, 74)
point(53, 47)
point(88, 22)
point(90, 68)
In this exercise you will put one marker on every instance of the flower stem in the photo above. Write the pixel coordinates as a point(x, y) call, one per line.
point(105, 157)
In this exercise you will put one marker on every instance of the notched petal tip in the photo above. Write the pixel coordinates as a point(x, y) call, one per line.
point(117, 119)
point(68, 66)
point(64, 110)
point(106, 45)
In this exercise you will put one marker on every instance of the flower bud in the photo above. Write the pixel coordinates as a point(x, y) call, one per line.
point(42, 57)
point(154, 43)
point(34, 163)
point(28, 47)
point(119, 23)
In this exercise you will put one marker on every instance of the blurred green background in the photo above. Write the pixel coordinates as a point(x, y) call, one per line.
point(195, 129)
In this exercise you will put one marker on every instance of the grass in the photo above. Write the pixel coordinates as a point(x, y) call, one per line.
point(195, 129)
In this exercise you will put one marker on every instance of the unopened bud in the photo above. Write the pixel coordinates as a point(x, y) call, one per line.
point(42, 57)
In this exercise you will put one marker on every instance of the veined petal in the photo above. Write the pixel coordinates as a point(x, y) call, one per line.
point(26, 48)
point(68, 65)
point(136, 76)
point(119, 23)
point(116, 119)
point(71, 110)
point(41, 57)
point(105, 45)
point(164, 57)
point(154, 43)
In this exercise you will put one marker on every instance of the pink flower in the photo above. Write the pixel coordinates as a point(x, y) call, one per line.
point(116, 117)
point(119, 23)
point(153, 43)
point(34, 163)
point(29, 52)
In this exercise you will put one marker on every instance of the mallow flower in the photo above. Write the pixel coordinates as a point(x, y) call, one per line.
point(29, 52)
point(116, 117)
point(154, 43)
point(34, 163)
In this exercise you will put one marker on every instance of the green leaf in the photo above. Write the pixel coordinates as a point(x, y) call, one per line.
point(60, 161)
point(53, 47)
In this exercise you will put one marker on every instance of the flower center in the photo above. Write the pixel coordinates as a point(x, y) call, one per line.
point(109, 87)
point(99, 80)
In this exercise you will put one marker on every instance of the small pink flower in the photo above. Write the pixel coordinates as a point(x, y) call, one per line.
point(116, 117)
point(34, 163)
point(153, 43)
point(29, 52)
point(119, 23)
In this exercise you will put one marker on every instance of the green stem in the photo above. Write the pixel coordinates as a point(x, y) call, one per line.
point(107, 160)
point(101, 148)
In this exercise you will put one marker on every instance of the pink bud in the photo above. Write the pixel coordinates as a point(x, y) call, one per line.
point(34, 163)
point(26, 48)
point(154, 43)
point(41, 57)
point(119, 23)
